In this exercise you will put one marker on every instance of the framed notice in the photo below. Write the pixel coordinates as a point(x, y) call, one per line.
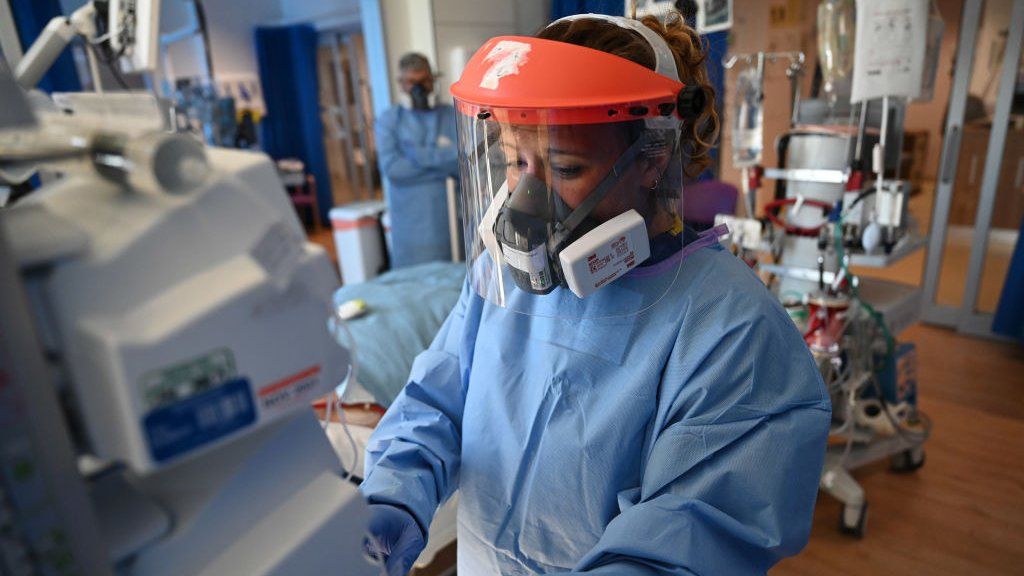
point(658, 8)
point(714, 15)
point(890, 49)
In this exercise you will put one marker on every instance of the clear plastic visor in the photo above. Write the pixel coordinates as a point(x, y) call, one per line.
point(570, 220)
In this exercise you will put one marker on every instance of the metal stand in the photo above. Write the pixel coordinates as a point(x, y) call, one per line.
point(906, 454)
point(804, 268)
point(835, 220)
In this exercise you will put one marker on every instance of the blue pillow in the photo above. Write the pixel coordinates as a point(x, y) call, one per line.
point(406, 308)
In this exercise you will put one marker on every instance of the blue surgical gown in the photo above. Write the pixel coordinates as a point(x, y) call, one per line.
point(417, 153)
point(687, 439)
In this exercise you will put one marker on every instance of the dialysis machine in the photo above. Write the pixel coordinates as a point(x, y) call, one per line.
point(839, 203)
point(163, 332)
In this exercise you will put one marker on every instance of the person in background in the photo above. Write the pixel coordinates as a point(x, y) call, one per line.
point(417, 154)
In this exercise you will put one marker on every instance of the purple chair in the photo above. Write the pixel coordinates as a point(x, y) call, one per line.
point(702, 200)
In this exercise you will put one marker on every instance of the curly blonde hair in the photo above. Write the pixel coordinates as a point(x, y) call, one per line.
point(690, 53)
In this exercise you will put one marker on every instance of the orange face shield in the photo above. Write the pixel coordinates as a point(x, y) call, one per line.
point(571, 174)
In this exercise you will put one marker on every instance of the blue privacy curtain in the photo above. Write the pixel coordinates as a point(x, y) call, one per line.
point(561, 8)
point(1009, 320)
point(292, 128)
point(30, 17)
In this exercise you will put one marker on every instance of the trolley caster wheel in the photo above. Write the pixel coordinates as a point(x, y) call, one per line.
point(853, 519)
point(907, 461)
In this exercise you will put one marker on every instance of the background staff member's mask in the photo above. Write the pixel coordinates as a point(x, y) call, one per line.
point(420, 97)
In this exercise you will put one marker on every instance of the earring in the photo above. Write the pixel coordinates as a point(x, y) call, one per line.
point(655, 185)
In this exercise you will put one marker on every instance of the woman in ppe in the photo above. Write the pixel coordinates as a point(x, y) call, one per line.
point(612, 394)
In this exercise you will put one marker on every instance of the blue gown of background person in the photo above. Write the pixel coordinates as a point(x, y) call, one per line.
point(687, 439)
point(417, 153)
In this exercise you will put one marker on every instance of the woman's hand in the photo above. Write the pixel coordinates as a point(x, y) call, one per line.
point(394, 538)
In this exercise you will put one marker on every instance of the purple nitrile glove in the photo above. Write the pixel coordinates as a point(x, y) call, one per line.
point(394, 538)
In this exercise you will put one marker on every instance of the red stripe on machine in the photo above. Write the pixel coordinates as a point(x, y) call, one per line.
point(341, 225)
point(281, 384)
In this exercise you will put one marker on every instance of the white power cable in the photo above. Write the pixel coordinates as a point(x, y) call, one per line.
point(335, 402)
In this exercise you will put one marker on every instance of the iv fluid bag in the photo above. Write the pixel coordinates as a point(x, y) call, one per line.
point(747, 131)
point(836, 35)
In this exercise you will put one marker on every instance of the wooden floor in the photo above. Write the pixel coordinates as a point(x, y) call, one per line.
point(963, 512)
point(323, 237)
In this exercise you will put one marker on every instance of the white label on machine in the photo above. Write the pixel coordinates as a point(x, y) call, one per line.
point(890, 49)
point(534, 263)
point(279, 252)
point(282, 395)
point(605, 253)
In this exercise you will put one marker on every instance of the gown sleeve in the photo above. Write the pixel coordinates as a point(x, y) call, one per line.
point(412, 458)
